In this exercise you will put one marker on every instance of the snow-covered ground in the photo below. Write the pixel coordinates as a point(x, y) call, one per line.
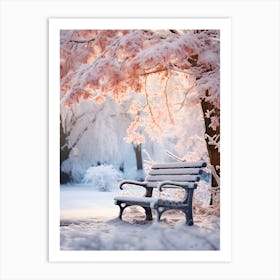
point(89, 221)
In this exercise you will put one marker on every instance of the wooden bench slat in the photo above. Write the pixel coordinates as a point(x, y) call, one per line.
point(168, 165)
point(175, 171)
point(177, 178)
point(155, 185)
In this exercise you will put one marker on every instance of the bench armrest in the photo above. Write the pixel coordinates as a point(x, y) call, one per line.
point(172, 184)
point(129, 182)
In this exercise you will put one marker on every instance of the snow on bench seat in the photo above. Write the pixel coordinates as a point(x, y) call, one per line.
point(145, 201)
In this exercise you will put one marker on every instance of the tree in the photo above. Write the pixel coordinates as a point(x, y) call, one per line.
point(169, 70)
point(92, 134)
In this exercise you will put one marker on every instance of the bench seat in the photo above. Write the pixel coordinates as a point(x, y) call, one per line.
point(136, 200)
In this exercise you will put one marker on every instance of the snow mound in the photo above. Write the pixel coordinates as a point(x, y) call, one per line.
point(113, 234)
point(103, 177)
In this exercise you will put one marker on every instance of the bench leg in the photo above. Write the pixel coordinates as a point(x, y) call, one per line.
point(190, 222)
point(188, 211)
point(189, 217)
point(121, 210)
point(149, 215)
point(159, 213)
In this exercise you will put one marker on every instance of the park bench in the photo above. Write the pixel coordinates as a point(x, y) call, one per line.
point(183, 175)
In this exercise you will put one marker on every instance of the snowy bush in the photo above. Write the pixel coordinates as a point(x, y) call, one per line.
point(102, 177)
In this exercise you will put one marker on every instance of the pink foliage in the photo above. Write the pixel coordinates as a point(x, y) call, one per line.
point(133, 135)
point(99, 63)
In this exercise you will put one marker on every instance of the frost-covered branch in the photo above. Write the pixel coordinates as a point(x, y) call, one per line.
point(173, 156)
point(150, 107)
point(214, 173)
point(214, 141)
point(167, 102)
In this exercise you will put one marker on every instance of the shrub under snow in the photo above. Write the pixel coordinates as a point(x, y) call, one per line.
point(102, 177)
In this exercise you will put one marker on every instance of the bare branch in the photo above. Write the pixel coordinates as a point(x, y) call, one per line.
point(82, 41)
point(153, 72)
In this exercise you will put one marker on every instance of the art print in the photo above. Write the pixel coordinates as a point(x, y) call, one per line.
point(141, 150)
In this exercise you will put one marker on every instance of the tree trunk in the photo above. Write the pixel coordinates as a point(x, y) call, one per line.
point(64, 154)
point(139, 161)
point(214, 154)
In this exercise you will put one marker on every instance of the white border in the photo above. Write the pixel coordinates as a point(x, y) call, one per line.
point(24, 117)
point(55, 25)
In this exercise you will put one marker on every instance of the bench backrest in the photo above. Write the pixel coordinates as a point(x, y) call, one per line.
point(175, 171)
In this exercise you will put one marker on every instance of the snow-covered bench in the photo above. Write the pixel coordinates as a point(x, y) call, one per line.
point(165, 175)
